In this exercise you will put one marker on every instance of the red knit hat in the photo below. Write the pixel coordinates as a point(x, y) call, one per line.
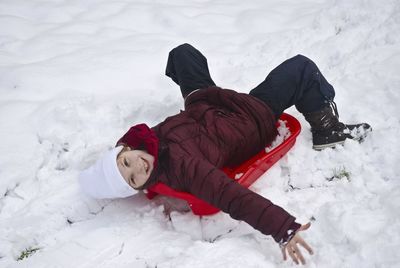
point(141, 137)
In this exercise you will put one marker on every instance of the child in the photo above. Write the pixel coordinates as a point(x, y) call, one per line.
point(220, 127)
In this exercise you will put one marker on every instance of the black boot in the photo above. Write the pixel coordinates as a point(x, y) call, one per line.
point(327, 131)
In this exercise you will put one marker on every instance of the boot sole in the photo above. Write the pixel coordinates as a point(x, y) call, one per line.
point(328, 145)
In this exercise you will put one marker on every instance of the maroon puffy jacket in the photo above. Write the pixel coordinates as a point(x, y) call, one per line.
point(218, 128)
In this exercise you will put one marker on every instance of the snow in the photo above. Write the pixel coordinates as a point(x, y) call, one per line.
point(75, 75)
point(283, 134)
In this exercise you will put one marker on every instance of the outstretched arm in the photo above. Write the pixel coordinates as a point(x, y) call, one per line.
point(212, 185)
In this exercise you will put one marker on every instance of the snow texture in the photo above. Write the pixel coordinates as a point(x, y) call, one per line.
point(75, 75)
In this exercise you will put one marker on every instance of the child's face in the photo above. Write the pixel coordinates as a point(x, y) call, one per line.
point(135, 166)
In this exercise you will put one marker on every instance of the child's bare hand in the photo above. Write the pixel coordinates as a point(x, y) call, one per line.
point(293, 249)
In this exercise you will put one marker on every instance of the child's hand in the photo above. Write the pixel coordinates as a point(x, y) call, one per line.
point(293, 250)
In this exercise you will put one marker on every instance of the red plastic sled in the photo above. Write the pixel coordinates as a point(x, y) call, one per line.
point(249, 171)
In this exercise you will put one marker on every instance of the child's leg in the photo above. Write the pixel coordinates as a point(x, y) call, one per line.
point(297, 81)
point(188, 68)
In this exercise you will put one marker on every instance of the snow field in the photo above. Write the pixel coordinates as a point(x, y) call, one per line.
point(75, 75)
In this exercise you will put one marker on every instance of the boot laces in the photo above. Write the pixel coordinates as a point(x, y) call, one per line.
point(334, 108)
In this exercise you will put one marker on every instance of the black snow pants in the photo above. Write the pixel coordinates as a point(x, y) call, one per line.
point(297, 81)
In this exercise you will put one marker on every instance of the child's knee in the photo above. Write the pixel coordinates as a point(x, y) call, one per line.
point(183, 48)
point(301, 58)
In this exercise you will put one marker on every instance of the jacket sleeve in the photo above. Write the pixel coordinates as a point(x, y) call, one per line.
point(210, 184)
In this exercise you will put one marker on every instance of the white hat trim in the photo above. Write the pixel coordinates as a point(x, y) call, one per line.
point(103, 179)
